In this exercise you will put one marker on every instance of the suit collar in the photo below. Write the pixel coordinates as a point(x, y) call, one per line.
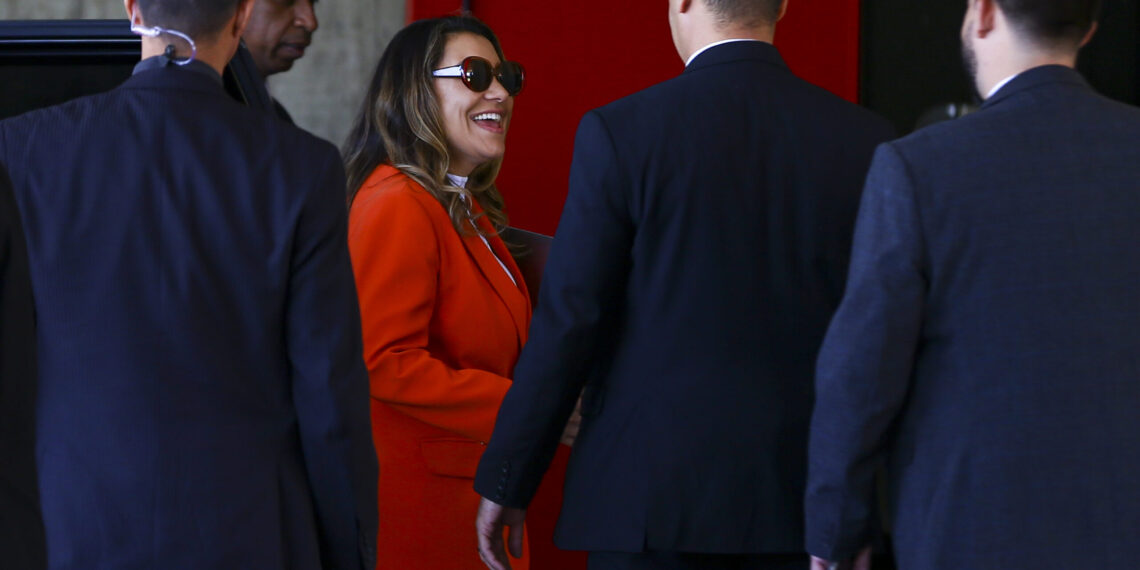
point(737, 51)
point(154, 72)
point(1037, 77)
point(515, 297)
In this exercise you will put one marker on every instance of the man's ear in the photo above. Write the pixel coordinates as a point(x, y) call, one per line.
point(987, 17)
point(133, 14)
point(1089, 36)
point(685, 6)
point(245, 8)
point(783, 10)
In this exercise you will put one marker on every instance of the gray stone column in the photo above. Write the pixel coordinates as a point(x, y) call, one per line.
point(324, 89)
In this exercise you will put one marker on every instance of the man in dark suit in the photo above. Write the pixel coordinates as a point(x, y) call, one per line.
point(21, 528)
point(701, 252)
point(278, 34)
point(987, 344)
point(203, 400)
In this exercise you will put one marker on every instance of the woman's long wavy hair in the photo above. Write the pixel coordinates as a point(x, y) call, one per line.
point(399, 123)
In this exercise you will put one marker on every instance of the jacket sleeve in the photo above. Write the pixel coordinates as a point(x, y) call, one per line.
point(395, 254)
point(866, 362)
point(330, 383)
point(21, 524)
point(581, 298)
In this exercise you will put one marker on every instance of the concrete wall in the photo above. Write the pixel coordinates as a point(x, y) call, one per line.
point(323, 90)
point(60, 9)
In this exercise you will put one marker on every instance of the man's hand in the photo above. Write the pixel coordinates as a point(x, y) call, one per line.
point(489, 525)
point(571, 432)
point(862, 561)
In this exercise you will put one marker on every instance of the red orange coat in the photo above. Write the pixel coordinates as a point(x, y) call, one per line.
point(443, 327)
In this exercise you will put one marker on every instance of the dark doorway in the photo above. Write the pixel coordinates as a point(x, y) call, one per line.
point(911, 57)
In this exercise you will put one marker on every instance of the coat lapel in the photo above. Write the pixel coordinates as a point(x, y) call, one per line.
point(515, 297)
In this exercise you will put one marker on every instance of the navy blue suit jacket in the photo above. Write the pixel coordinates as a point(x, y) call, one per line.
point(21, 528)
point(700, 255)
point(987, 345)
point(203, 400)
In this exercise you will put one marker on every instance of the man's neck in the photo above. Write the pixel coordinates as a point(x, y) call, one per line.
point(711, 35)
point(211, 53)
point(1017, 62)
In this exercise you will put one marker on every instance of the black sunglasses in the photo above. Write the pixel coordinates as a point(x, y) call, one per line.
point(477, 74)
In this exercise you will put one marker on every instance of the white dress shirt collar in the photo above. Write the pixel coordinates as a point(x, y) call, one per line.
point(461, 182)
point(714, 44)
point(458, 181)
point(1001, 84)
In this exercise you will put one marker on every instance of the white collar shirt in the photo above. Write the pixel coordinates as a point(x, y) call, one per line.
point(714, 44)
point(461, 182)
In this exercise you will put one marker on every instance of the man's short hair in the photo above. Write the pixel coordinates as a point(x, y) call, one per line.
point(197, 18)
point(1052, 22)
point(750, 13)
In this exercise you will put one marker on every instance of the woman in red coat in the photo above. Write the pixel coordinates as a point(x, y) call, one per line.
point(444, 307)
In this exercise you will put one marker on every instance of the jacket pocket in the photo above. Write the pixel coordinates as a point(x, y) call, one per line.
point(452, 457)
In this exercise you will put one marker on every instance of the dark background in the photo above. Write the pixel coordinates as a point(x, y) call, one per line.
point(911, 56)
point(47, 62)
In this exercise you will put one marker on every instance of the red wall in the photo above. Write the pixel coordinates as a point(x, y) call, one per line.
point(580, 55)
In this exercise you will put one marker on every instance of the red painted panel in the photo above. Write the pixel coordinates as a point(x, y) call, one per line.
point(581, 55)
point(820, 41)
point(420, 9)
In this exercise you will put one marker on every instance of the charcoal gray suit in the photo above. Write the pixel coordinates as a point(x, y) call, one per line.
point(987, 347)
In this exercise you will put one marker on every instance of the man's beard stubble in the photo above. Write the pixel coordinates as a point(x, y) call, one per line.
point(970, 57)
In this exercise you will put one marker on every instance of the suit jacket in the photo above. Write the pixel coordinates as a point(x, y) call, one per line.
point(443, 327)
point(21, 526)
point(700, 254)
point(203, 399)
point(250, 85)
point(986, 346)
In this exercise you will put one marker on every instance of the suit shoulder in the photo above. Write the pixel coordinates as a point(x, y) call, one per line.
point(390, 192)
point(294, 141)
point(64, 115)
point(1123, 111)
point(832, 110)
point(392, 206)
point(664, 99)
point(639, 102)
point(942, 139)
point(52, 125)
